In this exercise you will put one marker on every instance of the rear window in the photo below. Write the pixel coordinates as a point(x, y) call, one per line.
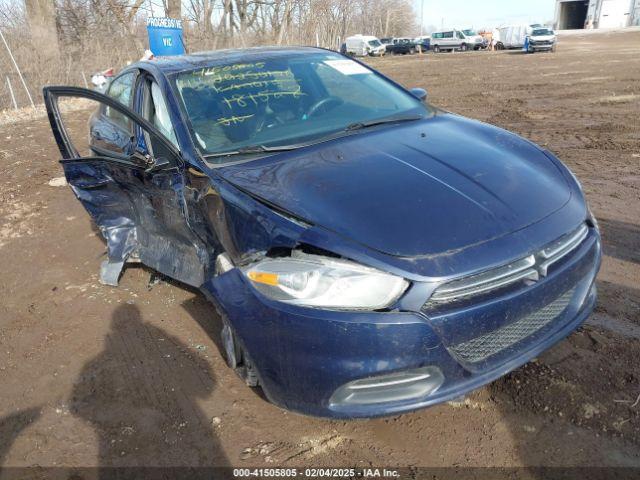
point(121, 89)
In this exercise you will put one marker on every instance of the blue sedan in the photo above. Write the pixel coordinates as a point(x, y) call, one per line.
point(368, 253)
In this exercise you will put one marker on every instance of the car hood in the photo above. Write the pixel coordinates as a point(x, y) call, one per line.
point(426, 188)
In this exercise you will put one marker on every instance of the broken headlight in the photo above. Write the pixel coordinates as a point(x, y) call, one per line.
point(323, 282)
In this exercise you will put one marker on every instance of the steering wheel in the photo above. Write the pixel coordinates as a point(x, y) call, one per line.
point(323, 104)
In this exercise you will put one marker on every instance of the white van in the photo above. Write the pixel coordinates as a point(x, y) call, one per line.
point(474, 41)
point(451, 39)
point(363, 45)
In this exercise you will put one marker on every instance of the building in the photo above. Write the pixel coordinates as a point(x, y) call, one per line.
point(576, 14)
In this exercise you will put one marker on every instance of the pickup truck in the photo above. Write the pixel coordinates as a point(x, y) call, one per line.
point(399, 45)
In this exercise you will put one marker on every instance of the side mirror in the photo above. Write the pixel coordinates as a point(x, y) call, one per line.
point(419, 93)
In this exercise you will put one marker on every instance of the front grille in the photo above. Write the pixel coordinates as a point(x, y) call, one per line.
point(489, 344)
point(528, 269)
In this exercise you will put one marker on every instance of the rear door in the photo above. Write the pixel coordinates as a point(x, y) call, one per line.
point(129, 177)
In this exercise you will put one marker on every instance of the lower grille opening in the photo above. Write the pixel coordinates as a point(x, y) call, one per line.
point(481, 348)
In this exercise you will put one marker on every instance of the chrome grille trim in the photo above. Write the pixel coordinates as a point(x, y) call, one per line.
point(486, 281)
point(561, 248)
point(529, 268)
point(482, 347)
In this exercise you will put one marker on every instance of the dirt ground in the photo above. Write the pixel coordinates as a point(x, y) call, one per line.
point(131, 376)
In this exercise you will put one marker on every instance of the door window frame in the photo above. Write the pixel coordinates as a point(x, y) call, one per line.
point(68, 151)
point(132, 97)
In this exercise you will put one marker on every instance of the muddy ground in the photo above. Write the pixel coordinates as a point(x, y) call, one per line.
point(93, 375)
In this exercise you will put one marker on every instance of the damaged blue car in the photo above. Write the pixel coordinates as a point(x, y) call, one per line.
point(368, 253)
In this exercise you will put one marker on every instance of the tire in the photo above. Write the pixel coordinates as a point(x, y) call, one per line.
point(463, 47)
point(436, 49)
point(499, 46)
point(237, 358)
point(412, 51)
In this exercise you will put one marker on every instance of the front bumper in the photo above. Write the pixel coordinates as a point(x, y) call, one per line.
point(541, 46)
point(304, 355)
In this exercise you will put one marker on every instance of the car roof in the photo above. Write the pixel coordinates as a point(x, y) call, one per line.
point(192, 61)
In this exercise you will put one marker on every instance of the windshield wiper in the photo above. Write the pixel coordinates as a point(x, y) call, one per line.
point(382, 121)
point(257, 149)
point(254, 149)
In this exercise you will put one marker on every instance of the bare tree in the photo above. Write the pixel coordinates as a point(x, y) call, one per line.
point(42, 26)
point(173, 8)
point(59, 41)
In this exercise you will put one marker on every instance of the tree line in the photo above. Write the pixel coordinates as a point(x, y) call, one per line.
point(64, 41)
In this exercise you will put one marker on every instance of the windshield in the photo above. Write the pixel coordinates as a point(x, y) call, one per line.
point(542, 31)
point(469, 33)
point(374, 43)
point(284, 100)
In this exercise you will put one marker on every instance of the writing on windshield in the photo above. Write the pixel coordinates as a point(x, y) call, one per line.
point(243, 87)
point(284, 100)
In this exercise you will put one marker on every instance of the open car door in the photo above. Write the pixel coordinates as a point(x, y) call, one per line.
point(130, 179)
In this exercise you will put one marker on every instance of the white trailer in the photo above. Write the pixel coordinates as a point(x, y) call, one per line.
point(512, 36)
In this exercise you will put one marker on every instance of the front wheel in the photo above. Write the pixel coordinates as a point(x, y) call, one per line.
point(237, 358)
point(436, 49)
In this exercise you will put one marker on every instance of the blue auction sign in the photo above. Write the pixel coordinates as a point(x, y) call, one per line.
point(165, 36)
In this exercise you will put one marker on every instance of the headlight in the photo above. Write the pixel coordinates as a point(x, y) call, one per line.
point(323, 282)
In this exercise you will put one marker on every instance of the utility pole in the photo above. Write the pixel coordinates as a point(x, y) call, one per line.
point(421, 17)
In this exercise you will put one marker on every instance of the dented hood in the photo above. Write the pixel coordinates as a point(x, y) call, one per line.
point(414, 189)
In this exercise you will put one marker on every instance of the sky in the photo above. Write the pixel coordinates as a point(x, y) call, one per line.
point(484, 13)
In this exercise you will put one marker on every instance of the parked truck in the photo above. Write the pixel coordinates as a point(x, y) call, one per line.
point(399, 45)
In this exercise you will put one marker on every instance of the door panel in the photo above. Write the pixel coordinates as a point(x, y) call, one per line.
point(133, 193)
